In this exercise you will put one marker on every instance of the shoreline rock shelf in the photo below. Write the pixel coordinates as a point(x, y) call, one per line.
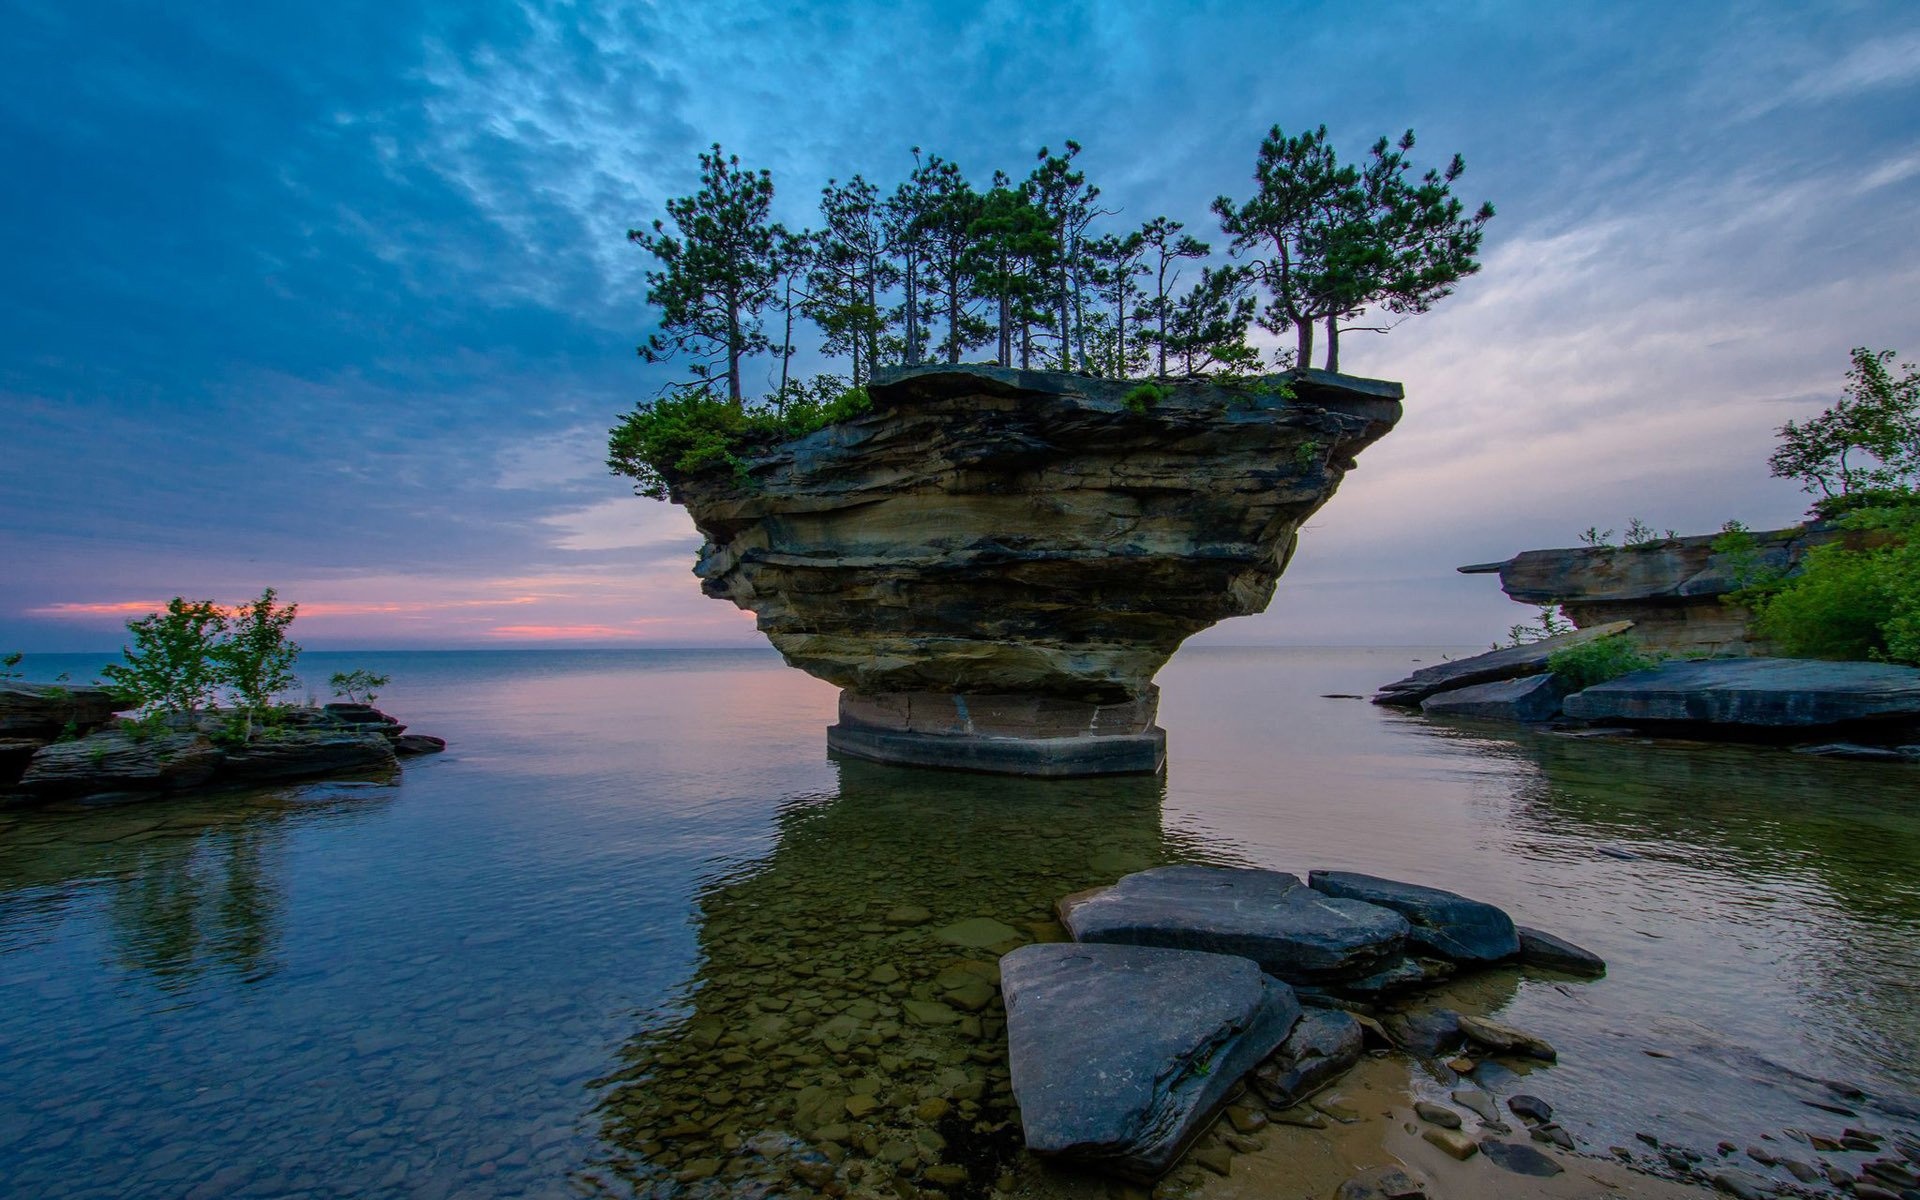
point(993, 564)
point(67, 744)
point(1184, 981)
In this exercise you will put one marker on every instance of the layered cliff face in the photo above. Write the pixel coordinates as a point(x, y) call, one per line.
point(991, 531)
point(1672, 591)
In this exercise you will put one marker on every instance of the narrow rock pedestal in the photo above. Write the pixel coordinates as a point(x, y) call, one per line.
point(1003, 734)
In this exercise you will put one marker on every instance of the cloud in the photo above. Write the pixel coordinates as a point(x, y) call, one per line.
point(624, 523)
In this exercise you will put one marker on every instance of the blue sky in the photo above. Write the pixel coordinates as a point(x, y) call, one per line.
point(339, 299)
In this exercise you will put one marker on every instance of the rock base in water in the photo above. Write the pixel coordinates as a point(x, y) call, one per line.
point(1002, 734)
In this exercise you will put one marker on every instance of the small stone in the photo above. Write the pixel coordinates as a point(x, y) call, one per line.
point(931, 1110)
point(978, 933)
point(1382, 1183)
point(814, 1174)
point(1301, 1116)
point(697, 1169)
point(1892, 1174)
point(1742, 1184)
point(1553, 1135)
point(859, 1106)
point(1761, 1155)
point(1531, 1108)
point(928, 1012)
point(1247, 1120)
point(1242, 1145)
point(1871, 1191)
point(885, 973)
point(1214, 1159)
point(1506, 1039)
point(946, 1175)
point(1454, 1143)
point(1337, 1107)
point(1438, 1114)
point(1801, 1171)
point(1479, 1103)
point(973, 995)
point(1520, 1158)
point(1460, 1066)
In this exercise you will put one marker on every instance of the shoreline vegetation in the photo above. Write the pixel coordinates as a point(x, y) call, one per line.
point(154, 723)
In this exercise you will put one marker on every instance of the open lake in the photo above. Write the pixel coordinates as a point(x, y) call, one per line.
point(635, 931)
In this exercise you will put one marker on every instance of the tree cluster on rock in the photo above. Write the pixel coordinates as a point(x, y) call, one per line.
point(938, 268)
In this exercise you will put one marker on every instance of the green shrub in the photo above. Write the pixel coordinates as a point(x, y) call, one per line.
point(1598, 661)
point(1144, 396)
point(679, 436)
point(1829, 508)
point(1852, 604)
point(358, 686)
point(7, 663)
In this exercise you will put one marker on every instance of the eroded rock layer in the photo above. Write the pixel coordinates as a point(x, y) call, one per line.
point(992, 531)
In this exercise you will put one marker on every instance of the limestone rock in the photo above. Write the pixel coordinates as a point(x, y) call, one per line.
point(44, 710)
point(1541, 949)
point(1443, 923)
point(110, 761)
point(418, 743)
point(1520, 1158)
point(1527, 700)
point(1321, 1048)
point(1513, 662)
point(1295, 933)
point(308, 754)
point(1119, 1054)
point(1761, 692)
point(985, 530)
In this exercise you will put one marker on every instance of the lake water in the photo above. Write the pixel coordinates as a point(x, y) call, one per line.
point(636, 932)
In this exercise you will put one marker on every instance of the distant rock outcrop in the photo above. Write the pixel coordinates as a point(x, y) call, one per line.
point(1672, 591)
point(994, 563)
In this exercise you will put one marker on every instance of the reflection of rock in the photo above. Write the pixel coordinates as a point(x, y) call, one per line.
point(1293, 932)
point(1766, 692)
point(1120, 1053)
point(1001, 535)
point(859, 960)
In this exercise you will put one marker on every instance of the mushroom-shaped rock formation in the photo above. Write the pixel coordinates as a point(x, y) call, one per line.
point(994, 563)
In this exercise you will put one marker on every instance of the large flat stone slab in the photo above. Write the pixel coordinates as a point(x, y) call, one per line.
point(1491, 667)
point(1760, 692)
point(1442, 923)
point(1120, 1054)
point(1295, 933)
point(1529, 699)
point(45, 710)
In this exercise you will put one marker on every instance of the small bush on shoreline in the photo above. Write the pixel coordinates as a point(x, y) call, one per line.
point(690, 432)
point(1589, 663)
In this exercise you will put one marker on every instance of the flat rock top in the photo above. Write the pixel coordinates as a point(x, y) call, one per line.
point(1755, 691)
point(1110, 1046)
point(1291, 930)
point(1493, 666)
point(1445, 923)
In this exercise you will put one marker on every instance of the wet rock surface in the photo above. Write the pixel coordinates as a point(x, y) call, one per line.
point(1321, 1048)
point(1539, 948)
point(1527, 700)
point(1768, 693)
point(1513, 662)
point(1296, 934)
point(1442, 923)
point(1117, 1053)
point(43, 711)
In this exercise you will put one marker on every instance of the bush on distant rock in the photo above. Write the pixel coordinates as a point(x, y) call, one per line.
point(1598, 661)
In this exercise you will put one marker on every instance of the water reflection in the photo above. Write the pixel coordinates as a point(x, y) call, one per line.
point(844, 1021)
point(186, 888)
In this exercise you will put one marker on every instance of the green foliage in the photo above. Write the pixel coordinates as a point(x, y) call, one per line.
point(1549, 624)
point(1597, 539)
point(1753, 577)
point(255, 659)
point(1144, 396)
point(1642, 536)
point(70, 732)
point(7, 663)
point(1598, 661)
point(171, 664)
point(1852, 603)
point(1306, 455)
point(359, 686)
point(1829, 508)
point(688, 434)
point(1869, 439)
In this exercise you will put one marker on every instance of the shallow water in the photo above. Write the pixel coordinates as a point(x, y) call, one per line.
point(635, 931)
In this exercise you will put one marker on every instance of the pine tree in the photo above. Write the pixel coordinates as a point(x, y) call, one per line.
point(1209, 324)
point(905, 217)
point(950, 225)
point(1117, 268)
point(717, 272)
point(1165, 247)
point(1066, 199)
point(850, 273)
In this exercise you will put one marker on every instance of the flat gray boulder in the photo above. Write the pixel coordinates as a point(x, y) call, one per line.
point(1121, 1054)
point(45, 710)
point(1295, 933)
point(1762, 692)
point(1539, 948)
point(1531, 699)
point(1491, 667)
point(111, 761)
point(1442, 923)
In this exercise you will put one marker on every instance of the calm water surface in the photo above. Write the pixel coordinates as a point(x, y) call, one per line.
point(636, 933)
